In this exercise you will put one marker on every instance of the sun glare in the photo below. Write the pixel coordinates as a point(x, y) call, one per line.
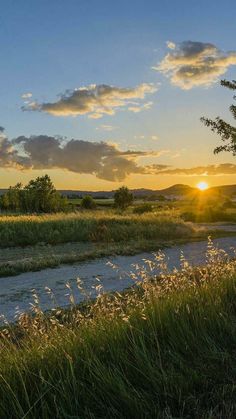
point(202, 186)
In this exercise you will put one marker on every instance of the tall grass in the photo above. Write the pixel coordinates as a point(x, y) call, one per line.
point(89, 226)
point(164, 349)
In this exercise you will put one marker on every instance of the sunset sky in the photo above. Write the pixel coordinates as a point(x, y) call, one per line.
point(101, 93)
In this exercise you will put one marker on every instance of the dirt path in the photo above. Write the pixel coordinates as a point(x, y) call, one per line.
point(16, 292)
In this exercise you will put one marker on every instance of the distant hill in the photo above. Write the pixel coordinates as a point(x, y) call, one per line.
point(175, 190)
point(178, 190)
point(229, 190)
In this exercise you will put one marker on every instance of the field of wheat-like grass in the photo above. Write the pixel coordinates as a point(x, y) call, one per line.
point(88, 226)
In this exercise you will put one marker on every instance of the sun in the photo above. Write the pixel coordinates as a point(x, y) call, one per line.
point(202, 186)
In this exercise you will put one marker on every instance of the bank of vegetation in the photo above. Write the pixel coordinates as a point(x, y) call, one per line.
point(163, 349)
point(88, 226)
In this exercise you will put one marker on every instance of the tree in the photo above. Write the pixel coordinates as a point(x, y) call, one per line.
point(39, 195)
point(123, 198)
point(226, 131)
point(88, 202)
point(11, 200)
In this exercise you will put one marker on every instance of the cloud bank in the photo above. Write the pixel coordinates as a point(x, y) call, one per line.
point(104, 160)
point(191, 64)
point(96, 101)
point(210, 170)
point(101, 159)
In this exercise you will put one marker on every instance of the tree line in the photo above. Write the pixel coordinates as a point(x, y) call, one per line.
point(39, 196)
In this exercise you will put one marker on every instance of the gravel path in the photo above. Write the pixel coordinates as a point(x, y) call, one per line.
point(16, 292)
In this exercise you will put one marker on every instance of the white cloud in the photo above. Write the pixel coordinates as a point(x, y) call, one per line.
point(26, 95)
point(104, 127)
point(191, 64)
point(96, 101)
point(170, 45)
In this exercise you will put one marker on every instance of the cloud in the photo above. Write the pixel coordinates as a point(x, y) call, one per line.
point(191, 64)
point(154, 169)
point(170, 45)
point(138, 108)
point(104, 160)
point(104, 127)
point(9, 156)
point(101, 159)
point(210, 170)
point(26, 95)
point(95, 101)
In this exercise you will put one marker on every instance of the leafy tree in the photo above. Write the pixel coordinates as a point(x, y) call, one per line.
point(11, 200)
point(123, 198)
point(226, 131)
point(39, 195)
point(88, 202)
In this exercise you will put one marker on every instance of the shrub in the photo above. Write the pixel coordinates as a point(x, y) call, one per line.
point(123, 198)
point(141, 209)
point(88, 202)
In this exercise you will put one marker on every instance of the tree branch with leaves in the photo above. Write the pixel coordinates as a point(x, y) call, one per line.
point(225, 130)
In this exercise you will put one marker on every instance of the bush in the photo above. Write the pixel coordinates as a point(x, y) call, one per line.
point(141, 209)
point(88, 202)
point(123, 198)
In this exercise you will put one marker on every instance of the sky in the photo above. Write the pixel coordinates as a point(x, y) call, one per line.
point(99, 94)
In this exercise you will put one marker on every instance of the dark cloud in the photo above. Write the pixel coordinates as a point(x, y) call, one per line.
point(101, 159)
point(96, 101)
point(190, 64)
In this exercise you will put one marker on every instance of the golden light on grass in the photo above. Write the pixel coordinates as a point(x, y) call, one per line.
point(202, 186)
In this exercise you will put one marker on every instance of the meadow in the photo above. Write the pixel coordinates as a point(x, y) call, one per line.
point(163, 349)
point(90, 226)
point(200, 207)
point(38, 241)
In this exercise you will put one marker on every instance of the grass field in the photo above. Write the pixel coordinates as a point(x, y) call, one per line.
point(109, 202)
point(189, 210)
point(90, 226)
point(163, 350)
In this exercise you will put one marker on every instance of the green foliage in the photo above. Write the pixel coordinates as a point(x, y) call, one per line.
point(226, 131)
point(89, 226)
point(88, 202)
point(38, 196)
point(123, 198)
point(155, 197)
point(141, 209)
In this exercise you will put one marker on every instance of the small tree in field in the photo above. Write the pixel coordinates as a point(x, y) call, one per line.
point(226, 131)
point(123, 198)
point(88, 202)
